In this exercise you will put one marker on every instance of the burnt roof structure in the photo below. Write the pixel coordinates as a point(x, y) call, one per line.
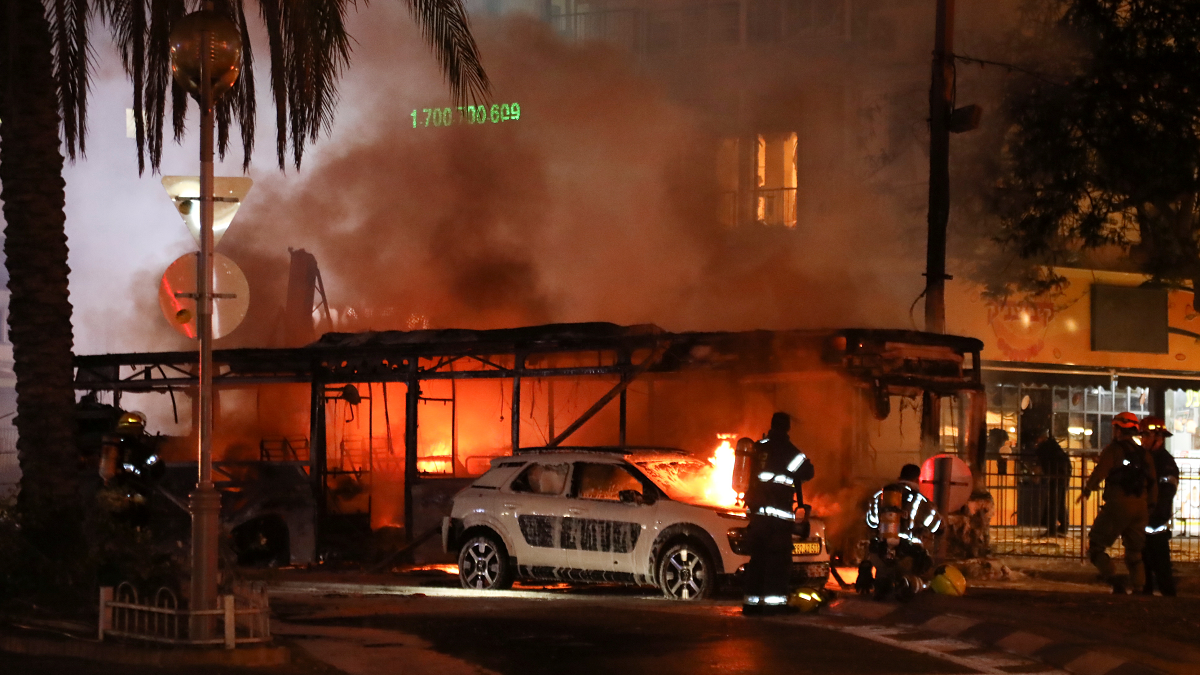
point(894, 362)
point(899, 359)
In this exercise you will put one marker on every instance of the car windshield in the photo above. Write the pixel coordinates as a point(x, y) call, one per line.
point(688, 480)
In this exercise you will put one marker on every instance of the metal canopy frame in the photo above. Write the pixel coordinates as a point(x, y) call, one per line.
point(534, 352)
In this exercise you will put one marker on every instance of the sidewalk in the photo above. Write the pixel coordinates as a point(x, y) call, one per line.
point(1060, 613)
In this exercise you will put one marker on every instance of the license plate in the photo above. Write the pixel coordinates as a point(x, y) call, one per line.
point(806, 547)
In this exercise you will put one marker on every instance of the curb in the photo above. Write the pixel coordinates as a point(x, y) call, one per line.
point(133, 656)
point(1076, 657)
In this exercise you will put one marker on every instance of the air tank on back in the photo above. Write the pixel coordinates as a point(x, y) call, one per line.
point(743, 465)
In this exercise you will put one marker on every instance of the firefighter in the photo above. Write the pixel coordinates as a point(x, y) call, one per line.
point(129, 467)
point(902, 519)
point(1157, 553)
point(775, 487)
point(1130, 490)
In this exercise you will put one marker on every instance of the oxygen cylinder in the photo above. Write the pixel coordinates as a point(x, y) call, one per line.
point(109, 454)
point(743, 465)
point(891, 504)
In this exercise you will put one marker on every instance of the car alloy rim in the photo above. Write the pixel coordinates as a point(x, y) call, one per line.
point(685, 574)
point(483, 565)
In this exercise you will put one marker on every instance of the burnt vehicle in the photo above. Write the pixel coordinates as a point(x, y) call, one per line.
point(640, 516)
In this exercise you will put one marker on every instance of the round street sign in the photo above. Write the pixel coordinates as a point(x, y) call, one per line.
point(946, 473)
point(180, 311)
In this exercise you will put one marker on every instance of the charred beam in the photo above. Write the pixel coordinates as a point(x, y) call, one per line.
point(626, 380)
point(518, 365)
point(412, 400)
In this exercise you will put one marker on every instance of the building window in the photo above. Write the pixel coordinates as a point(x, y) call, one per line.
point(762, 190)
point(1080, 417)
point(1183, 416)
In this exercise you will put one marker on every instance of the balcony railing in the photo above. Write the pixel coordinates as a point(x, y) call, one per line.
point(775, 207)
point(769, 207)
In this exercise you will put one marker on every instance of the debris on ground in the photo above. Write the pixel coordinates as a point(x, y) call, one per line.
point(984, 569)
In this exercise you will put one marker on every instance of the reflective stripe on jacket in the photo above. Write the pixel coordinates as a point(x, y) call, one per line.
point(781, 469)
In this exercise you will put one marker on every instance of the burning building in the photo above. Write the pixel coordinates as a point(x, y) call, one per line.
point(380, 429)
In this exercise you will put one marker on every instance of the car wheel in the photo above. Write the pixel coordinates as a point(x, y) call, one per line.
point(685, 572)
point(483, 564)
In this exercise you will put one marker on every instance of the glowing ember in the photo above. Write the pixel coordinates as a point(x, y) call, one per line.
point(719, 490)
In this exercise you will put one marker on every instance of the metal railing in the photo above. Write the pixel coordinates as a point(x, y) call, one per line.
point(775, 207)
point(243, 617)
point(283, 449)
point(1028, 505)
point(771, 207)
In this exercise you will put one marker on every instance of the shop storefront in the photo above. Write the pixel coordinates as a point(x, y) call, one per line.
point(1063, 365)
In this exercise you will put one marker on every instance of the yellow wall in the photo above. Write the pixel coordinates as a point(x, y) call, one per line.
point(1058, 330)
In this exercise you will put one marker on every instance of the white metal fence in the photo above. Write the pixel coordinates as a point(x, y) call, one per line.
point(10, 468)
point(242, 618)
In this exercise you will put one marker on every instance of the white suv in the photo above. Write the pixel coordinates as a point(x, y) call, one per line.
point(627, 515)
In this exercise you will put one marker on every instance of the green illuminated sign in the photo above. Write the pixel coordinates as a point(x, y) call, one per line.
point(467, 114)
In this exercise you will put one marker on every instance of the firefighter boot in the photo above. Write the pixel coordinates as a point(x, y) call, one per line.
point(866, 578)
point(1108, 572)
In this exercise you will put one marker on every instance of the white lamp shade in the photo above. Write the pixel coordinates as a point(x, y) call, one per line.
point(228, 194)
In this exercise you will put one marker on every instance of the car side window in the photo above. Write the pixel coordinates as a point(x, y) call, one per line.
point(603, 481)
point(541, 479)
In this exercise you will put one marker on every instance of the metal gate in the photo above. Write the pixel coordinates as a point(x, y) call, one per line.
point(1025, 520)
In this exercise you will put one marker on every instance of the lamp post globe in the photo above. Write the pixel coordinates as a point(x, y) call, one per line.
point(225, 52)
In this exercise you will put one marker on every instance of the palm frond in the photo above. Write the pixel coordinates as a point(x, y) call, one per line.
point(309, 50)
point(272, 15)
point(72, 63)
point(163, 16)
point(243, 92)
point(444, 26)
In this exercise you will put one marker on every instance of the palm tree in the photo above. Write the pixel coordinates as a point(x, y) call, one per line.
point(43, 106)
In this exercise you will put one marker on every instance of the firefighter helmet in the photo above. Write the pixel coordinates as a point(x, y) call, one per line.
point(947, 580)
point(1126, 421)
point(806, 599)
point(131, 421)
point(1154, 423)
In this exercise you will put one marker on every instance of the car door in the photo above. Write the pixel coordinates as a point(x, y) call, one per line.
point(532, 508)
point(600, 532)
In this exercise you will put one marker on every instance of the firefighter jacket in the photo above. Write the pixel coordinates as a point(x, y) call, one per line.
point(1167, 472)
point(126, 457)
point(780, 469)
point(904, 511)
point(1125, 468)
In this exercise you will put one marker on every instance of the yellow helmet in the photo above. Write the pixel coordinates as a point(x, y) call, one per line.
point(947, 580)
point(131, 421)
point(806, 599)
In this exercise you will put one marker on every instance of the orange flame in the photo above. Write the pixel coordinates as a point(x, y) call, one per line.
point(436, 459)
point(719, 490)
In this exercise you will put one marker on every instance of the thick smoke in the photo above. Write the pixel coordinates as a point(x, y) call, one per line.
point(598, 204)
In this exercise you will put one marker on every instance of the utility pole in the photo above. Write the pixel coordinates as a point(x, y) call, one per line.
point(941, 95)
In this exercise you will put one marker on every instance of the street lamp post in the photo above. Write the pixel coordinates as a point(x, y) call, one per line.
point(205, 60)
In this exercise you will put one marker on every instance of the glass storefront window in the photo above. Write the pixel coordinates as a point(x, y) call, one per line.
point(1183, 416)
point(1079, 417)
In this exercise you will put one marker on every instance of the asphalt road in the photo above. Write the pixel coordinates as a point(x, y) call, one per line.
point(450, 631)
point(422, 625)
